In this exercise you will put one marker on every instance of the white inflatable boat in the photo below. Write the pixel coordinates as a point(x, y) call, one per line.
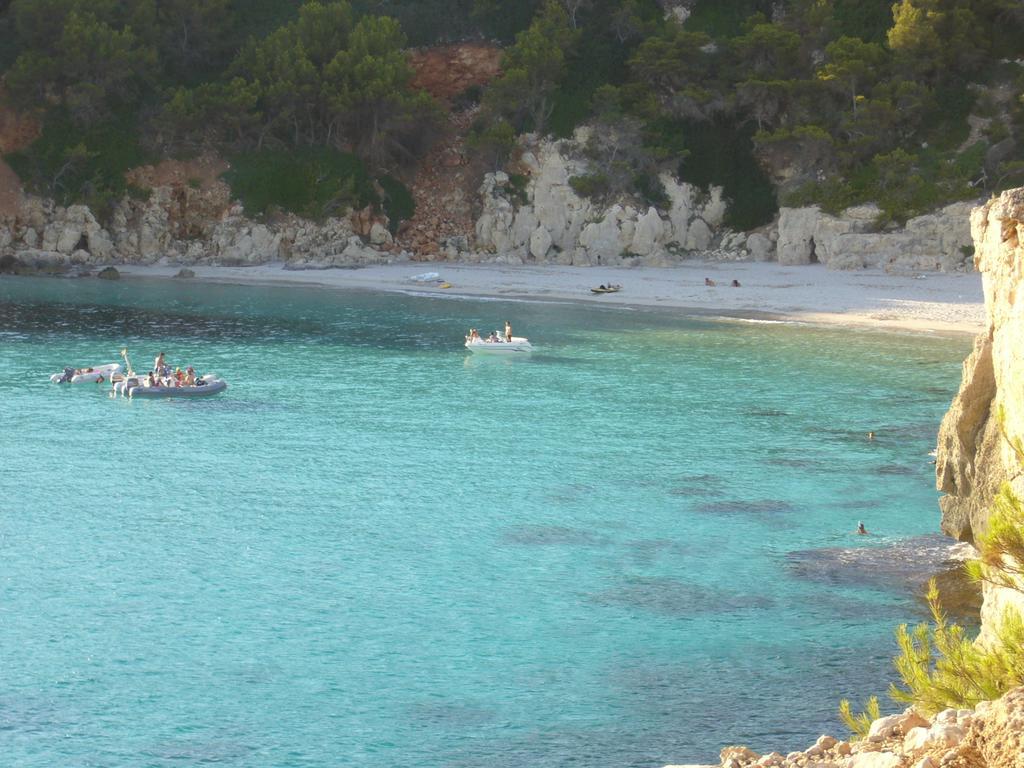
point(97, 374)
point(136, 387)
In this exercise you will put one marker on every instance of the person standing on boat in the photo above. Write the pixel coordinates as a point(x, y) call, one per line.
point(158, 364)
point(508, 331)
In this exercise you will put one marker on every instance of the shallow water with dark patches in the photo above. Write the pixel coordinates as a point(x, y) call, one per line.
point(899, 566)
point(670, 597)
point(377, 550)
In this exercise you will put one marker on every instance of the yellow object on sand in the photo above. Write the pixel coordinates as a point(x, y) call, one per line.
point(445, 285)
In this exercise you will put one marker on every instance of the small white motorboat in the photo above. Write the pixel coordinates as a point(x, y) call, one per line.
point(93, 375)
point(498, 346)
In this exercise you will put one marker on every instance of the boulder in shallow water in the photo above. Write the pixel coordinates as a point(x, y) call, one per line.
point(109, 273)
point(185, 273)
point(10, 265)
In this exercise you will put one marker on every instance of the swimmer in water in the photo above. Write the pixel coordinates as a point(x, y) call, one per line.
point(861, 529)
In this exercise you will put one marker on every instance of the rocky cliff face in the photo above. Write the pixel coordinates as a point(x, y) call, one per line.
point(940, 241)
point(554, 224)
point(974, 455)
point(547, 222)
point(975, 452)
point(188, 218)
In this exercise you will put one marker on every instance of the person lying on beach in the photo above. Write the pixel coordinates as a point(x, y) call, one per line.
point(709, 282)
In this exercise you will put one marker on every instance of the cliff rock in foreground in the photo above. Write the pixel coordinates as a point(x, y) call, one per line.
point(990, 736)
point(975, 455)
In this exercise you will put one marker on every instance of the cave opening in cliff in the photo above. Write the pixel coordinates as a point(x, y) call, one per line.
point(82, 244)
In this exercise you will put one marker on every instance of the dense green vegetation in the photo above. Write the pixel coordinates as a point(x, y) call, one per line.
point(310, 181)
point(77, 164)
point(835, 102)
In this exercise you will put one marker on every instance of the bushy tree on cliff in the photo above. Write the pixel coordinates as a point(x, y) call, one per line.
point(932, 38)
point(673, 70)
point(88, 64)
point(533, 68)
point(319, 81)
point(622, 159)
point(850, 63)
point(190, 36)
point(368, 93)
point(504, 18)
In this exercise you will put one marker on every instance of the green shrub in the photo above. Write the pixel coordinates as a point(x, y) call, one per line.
point(313, 182)
point(135, 192)
point(651, 190)
point(597, 61)
point(725, 18)
point(493, 142)
point(517, 184)
point(946, 122)
point(867, 19)
point(859, 724)
point(1002, 545)
point(591, 185)
point(9, 43)
point(903, 185)
point(942, 668)
point(75, 165)
point(398, 202)
point(997, 131)
point(721, 153)
point(467, 98)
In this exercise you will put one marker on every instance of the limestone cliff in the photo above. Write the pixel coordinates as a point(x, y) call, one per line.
point(975, 455)
point(938, 241)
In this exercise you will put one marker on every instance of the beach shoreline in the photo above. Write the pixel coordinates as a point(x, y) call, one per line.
point(864, 299)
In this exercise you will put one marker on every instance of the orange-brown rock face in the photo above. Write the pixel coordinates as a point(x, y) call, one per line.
point(17, 131)
point(446, 71)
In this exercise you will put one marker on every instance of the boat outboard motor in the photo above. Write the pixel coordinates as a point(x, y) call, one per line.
point(68, 374)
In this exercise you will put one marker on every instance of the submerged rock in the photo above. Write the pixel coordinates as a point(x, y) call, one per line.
point(109, 273)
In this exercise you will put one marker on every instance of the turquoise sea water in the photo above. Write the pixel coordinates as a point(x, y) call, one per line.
point(376, 550)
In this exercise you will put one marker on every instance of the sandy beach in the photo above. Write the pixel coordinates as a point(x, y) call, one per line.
point(926, 302)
